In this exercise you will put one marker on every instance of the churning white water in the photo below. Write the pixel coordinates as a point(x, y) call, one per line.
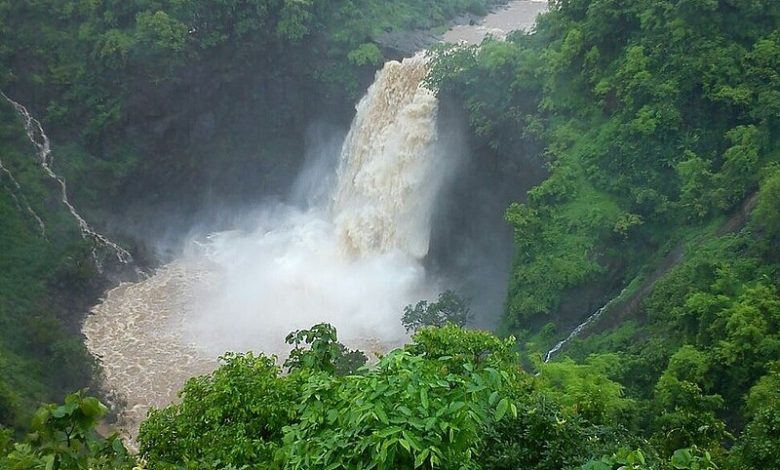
point(353, 260)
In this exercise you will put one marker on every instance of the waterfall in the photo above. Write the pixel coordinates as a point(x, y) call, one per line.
point(354, 259)
point(40, 141)
point(386, 175)
point(582, 326)
point(20, 199)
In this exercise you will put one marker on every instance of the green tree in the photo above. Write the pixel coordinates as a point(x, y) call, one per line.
point(325, 352)
point(685, 414)
point(586, 390)
point(449, 308)
point(759, 446)
point(234, 416)
point(766, 217)
point(451, 398)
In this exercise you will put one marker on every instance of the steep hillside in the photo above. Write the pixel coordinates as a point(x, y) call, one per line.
point(659, 123)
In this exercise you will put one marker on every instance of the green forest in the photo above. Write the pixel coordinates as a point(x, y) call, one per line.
point(657, 124)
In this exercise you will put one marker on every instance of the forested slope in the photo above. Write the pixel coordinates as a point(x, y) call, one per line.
point(45, 270)
point(153, 91)
point(660, 125)
point(652, 116)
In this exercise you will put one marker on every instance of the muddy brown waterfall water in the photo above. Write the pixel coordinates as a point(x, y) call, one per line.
point(354, 262)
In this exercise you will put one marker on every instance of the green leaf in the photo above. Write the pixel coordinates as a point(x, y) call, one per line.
point(412, 441)
point(92, 407)
point(40, 417)
point(421, 457)
point(682, 458)
point(381, 415)
point(118, 447)
point(61, 411)
point(456, 405)
point(597, 465)
point(405, 444)
point(501, 409)
point(388, 432)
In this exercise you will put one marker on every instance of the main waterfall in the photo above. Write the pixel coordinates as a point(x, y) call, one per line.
point(388, 173)
point(353, 259)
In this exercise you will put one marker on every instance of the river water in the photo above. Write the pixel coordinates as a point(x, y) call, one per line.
point(520, 14)
point(354, 258)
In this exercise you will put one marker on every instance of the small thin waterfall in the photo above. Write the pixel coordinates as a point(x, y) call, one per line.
point(20, 199)
point(581, 327)
point(40, 141)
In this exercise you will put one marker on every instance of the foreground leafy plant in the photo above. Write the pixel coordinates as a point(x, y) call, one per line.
point(64, 437)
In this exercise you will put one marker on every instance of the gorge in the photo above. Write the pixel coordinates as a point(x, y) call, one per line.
point(347, 248)
point(556, 248)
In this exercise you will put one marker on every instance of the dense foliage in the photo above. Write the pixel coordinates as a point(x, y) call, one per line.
point(451, 398)
point(64, 437)
point(86, 59)
point(650, 115)
point(415, 406)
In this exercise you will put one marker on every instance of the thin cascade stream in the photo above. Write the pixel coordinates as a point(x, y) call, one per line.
point(40, 141)
point(582, 326)
point(20, 199)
